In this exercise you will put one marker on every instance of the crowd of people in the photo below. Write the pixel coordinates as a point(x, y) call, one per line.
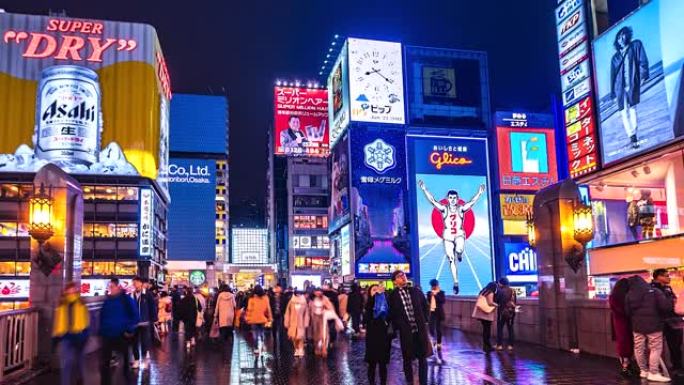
point(643, 315)
point(497, 301)
point(133, 321)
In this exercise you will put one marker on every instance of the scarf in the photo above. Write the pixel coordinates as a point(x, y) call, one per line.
point(71, 317)
point(380, 308)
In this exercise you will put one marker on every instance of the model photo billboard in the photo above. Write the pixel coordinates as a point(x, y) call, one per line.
point(451, 207)
point(376, 81)
point(301, 121)
point(639, 80)
point(90, 96)
point(338, 97)
point(379, 200)
point(340, 210)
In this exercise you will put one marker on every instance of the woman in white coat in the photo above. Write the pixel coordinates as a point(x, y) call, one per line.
point(225, 311)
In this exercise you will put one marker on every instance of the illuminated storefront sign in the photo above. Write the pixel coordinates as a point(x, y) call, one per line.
point(345, 250)
point(304, 242)
point(301, 121)
point(14, 289)
point(197, 277)
point(146, 222)
point(577, 87)
point(520, 262)
point(338, 97)
point(514, 211)
point(250, 246)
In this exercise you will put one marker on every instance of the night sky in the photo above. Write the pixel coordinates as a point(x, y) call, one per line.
point(239, 48)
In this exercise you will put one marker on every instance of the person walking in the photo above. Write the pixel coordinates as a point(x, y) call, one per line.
point(378, 334)
point(409, 315)
point(258, 314)
point(278, 306)
point(225, 312)
point(296, 321)
point(148, 310)
point(647, 309)
point(622, 327)
point(436, 299)
point(673, 323)
point(118, 320)
point(189, 310)
point(485, 311)
point(332, 296)
point(355, 307)
point(176, 295)
point(320, 308)
point(164, 312)
point(343, 298)
point(506, 302)
point(70, 332)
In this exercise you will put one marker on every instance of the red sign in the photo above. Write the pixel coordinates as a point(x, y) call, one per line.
point(301, 121)
point(581, 138)
point(14, 288)
point(527, 158)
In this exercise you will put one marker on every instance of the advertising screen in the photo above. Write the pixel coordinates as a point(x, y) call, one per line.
point(345, 250)
point(338, 97)
point(527, 151)
point(250, 246)
point(89, 96)
point(376, 81)
point(14, 288)
point(450, 193)
point(339, 211)
point(378, 197)
point(199, 123)
point(514, 211)
point(446, 87)
point(192, 211)
point(639, 80)
point(301, 121)
point(520, 262)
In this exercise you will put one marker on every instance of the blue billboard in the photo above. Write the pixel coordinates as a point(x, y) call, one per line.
point(378, 196)
point(192, 211)
point(199, 123)
point(520, 262)
point(449, 183)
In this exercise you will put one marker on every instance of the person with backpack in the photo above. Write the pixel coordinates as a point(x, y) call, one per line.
point(190, 312)
point(506, 303)
point(70, 332)
point(118, 320)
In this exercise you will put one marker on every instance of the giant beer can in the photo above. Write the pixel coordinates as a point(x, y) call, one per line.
point(68, 115)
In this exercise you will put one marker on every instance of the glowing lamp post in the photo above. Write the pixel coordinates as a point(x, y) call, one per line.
point(531, 231)
point(583, 223)
point(41, 216)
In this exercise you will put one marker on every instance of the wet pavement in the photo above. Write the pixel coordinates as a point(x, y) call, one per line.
point(464, 363)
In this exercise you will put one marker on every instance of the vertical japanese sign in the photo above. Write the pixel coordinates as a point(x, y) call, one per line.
point(576, 83)
point(301, 121)
point(146, 222)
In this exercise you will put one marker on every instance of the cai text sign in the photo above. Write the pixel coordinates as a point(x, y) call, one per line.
point(527, 158)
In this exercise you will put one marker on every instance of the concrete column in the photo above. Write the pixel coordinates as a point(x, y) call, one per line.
point(62, 252)
point(559, 284)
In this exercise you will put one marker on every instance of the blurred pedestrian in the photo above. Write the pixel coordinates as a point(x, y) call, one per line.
point(332, 296)
point(485, 311)
point(164, 313)
point(189, 312)
point(673, 323)
point(647, 309)
point(378, 334)
point(148, 311)
point(318, 307)
point(355, 307)
point(436, 299)
point(622, 327)
point(296, 321)
point(343, 298)
point(225, 312)
point(70, 332)
point(506, 303)
point(176, 296)
point(409, 314)
point(278, 306)
point(118, 320)
point(258, 315)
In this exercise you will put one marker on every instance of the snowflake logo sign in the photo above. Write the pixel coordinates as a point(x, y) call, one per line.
point(379, 156)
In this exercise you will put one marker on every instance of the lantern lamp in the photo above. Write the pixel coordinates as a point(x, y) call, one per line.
point(40, 207)
point(583, 223)
point(531, 231)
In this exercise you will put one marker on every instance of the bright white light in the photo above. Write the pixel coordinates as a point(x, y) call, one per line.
point(325, 62)
point(334, 42)
point(329, 49)
point(327, 56)
point(336, 36)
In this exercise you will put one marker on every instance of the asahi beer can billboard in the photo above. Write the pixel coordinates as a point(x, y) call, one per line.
point(90, 96)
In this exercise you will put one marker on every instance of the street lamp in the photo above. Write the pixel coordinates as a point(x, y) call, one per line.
point(531, 231)
point(41, 215)
point(583, 223)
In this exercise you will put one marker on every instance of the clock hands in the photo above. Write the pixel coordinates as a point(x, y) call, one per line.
point(376, 71)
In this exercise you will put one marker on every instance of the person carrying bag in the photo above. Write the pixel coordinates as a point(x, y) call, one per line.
point(485, 311)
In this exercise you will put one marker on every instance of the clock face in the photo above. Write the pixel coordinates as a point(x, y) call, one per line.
point(376, 81)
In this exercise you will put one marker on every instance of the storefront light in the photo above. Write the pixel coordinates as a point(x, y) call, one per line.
point(41, 215)
point(531, 231)
point(583, 223)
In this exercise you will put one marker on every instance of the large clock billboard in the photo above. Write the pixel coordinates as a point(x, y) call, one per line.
point(376, 81)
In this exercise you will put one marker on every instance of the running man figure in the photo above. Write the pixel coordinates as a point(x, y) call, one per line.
point(454, 235)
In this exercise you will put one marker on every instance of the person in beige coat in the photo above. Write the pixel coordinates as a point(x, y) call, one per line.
point(485, 311)
point(321, 310)
point(297, 321)
point(225, 312)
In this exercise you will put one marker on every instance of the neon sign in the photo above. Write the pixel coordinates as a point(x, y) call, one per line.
point(439, 160)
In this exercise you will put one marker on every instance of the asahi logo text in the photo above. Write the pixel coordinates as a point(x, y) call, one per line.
point(81, 112)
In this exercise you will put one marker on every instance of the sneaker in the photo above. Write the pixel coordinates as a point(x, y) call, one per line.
point(657, 377)
point(439, 346)
point(142, 364)
point(456, 289)
point(499, 347)
point(188, 345)
point(135, 364)
point(644, 374)
point(510, 348)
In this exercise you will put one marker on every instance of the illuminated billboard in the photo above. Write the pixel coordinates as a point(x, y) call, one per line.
point(514, 211)
point(376, 81)
point(447, 87)
point(192, 211)
point(250, 246)
point(639, 80)
point(89, 96)
point(338, 97)
point(199, 123)
point(378, 197)
point(520, 262)
point(345, 250)
point(301, 121)
point(451, 211)
point(527, 151)
point(340, 211)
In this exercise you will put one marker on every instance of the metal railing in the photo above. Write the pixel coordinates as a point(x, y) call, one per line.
point(18, 341)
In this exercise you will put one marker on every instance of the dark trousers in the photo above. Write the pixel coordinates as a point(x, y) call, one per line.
point(175, 324)
point(142, 342)
point(486, 334)
point(109, 346)
point(674, 345)
point(501, 323)
point(226, 332)
point(71, 354)
point(422, 364)
point(382, 367)
point(436, 327)
point(189, 325)
point(356, 322)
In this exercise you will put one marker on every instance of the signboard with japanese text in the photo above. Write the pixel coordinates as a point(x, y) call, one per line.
point(338, 97)
point(301, 121)
point(449, 179)
point(11, 289)
point(376, 81)
point(146, 222)
point(577, 86)
point(514, 211)
point(527, 151)
point(378, 197)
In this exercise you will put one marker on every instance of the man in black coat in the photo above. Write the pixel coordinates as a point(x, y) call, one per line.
point(673, 324)
point(147, 308)
point(409, 316)
point(436, 299)
point(334, 299)
point(355, 307)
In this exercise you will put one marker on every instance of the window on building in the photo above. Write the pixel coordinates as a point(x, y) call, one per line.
point(7, 268)
point(23, 268)
point(127, 193)
point(104, 268)
point(87, 268)
point(127, 268)
point(304, 181)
